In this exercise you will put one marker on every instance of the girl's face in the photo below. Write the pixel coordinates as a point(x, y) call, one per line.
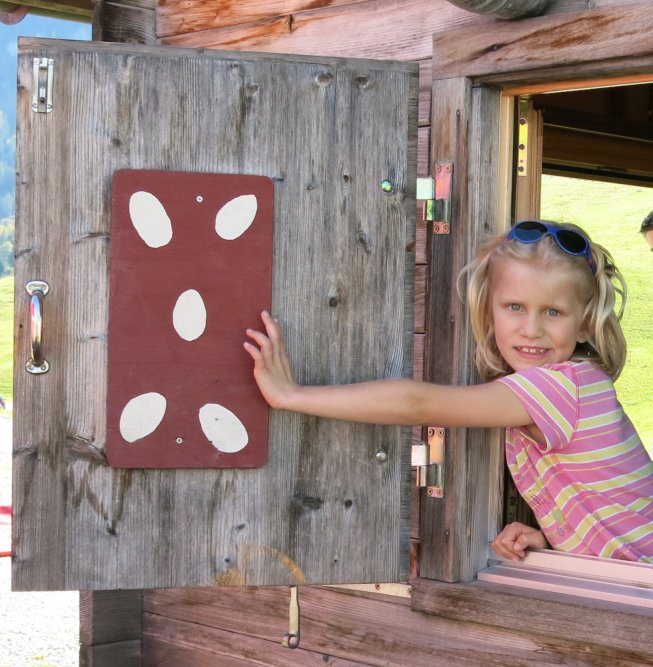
point(537, 312)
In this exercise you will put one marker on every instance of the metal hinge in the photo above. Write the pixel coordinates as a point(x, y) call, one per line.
point(428, 459)
point(43, 71)
point(435, 195)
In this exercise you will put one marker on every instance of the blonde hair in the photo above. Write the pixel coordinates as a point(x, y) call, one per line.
point(604, 294)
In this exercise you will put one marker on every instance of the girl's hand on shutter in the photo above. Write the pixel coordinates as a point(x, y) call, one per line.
point(272, 370)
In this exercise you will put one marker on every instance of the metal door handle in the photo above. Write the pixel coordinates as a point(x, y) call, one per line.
point(37, 289)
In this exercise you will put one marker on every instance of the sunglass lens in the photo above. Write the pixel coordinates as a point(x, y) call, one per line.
point(571, 241)
point(529, 231)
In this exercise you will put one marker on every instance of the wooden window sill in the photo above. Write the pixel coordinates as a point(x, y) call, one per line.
point(568, 607)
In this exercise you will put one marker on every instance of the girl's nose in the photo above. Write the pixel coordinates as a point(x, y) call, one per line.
point(532, 326)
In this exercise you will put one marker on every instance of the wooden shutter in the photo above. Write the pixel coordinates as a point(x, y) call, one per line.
point(331, 505)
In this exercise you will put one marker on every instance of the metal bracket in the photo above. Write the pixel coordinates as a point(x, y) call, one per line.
point(435, 195)
point(522, 147)
point(428, 459)
point(42, 76)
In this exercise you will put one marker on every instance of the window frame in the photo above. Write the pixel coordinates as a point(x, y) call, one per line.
point(478, 76)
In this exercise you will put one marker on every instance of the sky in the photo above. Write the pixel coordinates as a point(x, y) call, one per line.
point(30, 26)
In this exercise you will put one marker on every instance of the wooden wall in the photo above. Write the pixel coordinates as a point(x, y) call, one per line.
point(239, 627)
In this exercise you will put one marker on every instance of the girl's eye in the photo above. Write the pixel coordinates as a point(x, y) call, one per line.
point(552, 312)
point(514, 306)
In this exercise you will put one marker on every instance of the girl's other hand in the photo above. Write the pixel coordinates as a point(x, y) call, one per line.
point(511, 543)
point(272, 370)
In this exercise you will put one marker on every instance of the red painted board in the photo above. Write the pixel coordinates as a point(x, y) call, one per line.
point(190, 270)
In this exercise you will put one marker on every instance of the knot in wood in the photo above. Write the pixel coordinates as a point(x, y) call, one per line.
point(324, 79)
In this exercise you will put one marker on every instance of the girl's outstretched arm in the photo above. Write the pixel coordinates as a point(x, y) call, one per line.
point(393, 401)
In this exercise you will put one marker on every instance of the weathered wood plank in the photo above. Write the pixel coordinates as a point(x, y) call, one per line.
point(454, 530)
point(72, 9)
point(293, 519)
point(420, 297)
point(125, 654)
point(421, 238)
point(357, 627)
point(394, 29)
point(425, 83)
point(527, 45)
point(110, 616)
point(618, 628)
point(418, 356)
point(177, 17)
point(132, 23)
point(400, 29)
point(423, 153)
point(562, 144)
point(173, 642)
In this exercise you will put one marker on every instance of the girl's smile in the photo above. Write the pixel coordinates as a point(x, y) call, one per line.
point(537, 313)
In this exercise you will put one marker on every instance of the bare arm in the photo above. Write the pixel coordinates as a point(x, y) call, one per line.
point(400, 401)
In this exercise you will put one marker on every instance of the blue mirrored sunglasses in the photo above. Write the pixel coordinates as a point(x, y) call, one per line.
point(568, 240)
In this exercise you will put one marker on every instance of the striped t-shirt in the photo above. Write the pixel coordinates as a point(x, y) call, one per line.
point(590, 483)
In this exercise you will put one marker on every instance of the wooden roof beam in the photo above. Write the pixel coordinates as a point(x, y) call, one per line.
point(71, 10)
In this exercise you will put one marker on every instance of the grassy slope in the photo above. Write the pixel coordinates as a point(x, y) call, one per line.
point(611, 214)
point(6, 336)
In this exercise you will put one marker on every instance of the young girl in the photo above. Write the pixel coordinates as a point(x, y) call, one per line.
point(543, 302)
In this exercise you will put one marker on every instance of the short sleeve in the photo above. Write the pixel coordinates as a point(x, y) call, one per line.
point(550, 395)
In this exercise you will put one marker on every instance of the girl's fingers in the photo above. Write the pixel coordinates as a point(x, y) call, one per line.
point(253, 351)
point(259, 338)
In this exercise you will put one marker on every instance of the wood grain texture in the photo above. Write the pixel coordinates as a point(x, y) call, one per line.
point(175, 17)
point(622, 631)
point(376, 631)
point(398, 29)
point(125, 654)
point(454, 530)
point(75, 9)
point(132, 23)
point(328, 131)
point(110, 616)
point(395, 29)
point(579, 37)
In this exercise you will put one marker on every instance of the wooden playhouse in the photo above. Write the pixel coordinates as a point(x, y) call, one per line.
point(390, 135)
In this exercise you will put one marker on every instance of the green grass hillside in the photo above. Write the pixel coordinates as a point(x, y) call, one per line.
point(6, 336)
point(612, 214)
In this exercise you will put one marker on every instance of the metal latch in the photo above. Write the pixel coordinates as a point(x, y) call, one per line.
point(42, 85)
point(435, 195)
point(291, 638)
point(428, 459)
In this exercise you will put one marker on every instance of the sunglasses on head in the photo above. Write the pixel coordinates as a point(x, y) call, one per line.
point(568, 240)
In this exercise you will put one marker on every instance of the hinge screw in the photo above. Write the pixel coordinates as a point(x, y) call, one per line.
point(382, 456)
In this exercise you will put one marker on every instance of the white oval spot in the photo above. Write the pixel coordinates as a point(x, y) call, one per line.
point(189, 315)
point(142, 415)
point(222, 428)
point(150, 219)
point(235, 217)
